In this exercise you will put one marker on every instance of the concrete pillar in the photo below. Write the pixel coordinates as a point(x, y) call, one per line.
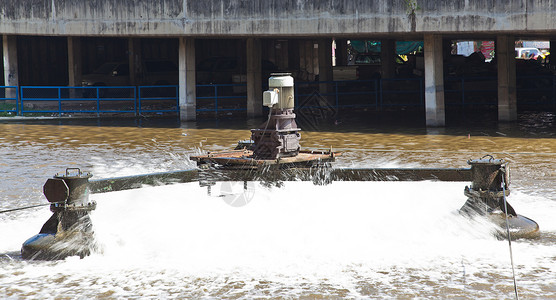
point(75, 64)
point(293, 55)
point(280, 50)
point(305, 60)
point(325, 68)
point(388, 58)
point(552, 48)
point(134, 60)
point(11, 77)
point(434, 81)
point(325, 59)
point(341, 52)
point(507, 97)
point(313, 51)
point(254, 80)
point(187, 96)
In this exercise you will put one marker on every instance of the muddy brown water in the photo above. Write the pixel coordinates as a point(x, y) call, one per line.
point(306, 266)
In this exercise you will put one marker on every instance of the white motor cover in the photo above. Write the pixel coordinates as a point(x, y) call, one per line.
point(270, 98)
point(280, 81)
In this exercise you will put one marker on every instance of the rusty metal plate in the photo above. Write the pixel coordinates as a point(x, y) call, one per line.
point(56, 190)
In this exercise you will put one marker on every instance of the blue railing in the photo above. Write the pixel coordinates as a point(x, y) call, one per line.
point(483, 89)
point(402, 92)
point(158, 99)
point(64, 100)
point(531, 90)
point(343, 94)
point(229, 98)
point(221, 97)
point(97, 99)
point(537, 90)
point(9, 99)
point(376, 93)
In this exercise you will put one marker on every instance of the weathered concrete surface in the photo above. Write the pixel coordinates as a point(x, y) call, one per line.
point(254, 80)
point(275, 17)
point(507, 91)
point(434, 81)
point(11, 74)
point(187, 91)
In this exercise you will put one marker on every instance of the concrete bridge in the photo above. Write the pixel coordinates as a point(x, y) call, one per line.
point(71, 22)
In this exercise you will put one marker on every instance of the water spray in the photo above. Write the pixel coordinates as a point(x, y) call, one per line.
point(487, 198)
point(274, 156)
point(68, 232)
point(509, 237)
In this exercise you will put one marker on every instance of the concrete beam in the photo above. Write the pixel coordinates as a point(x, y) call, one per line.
point(219, 18)
point(434, 81)
point(254, 80)
point(507, 93)
point(187, 92)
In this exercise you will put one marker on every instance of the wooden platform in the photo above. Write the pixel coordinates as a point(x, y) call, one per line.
point(244, 159)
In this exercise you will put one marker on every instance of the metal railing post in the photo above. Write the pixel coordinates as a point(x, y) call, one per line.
point(422, 92)
point(137, 98)
point(375, 89)
point(98, 100)
point(177, 100)
point(216, 101)
point(336, 89)
point(59, 101)
point(379, 82)
point(17, 100)
point(21, 100)
point(462, 92)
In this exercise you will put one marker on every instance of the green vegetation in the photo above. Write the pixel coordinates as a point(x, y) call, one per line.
point(411, 7)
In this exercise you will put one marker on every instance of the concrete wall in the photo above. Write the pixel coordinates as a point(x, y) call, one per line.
point(274, 17)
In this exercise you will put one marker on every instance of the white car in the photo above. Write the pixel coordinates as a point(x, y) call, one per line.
point(528, 53)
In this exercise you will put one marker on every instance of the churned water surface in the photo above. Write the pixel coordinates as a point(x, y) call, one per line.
point(290, 240)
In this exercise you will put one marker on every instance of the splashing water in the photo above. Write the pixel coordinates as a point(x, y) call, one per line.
point(296, 240)
point(346, 239)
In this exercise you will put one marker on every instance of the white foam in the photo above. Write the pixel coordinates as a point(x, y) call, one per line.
point(344, 239)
